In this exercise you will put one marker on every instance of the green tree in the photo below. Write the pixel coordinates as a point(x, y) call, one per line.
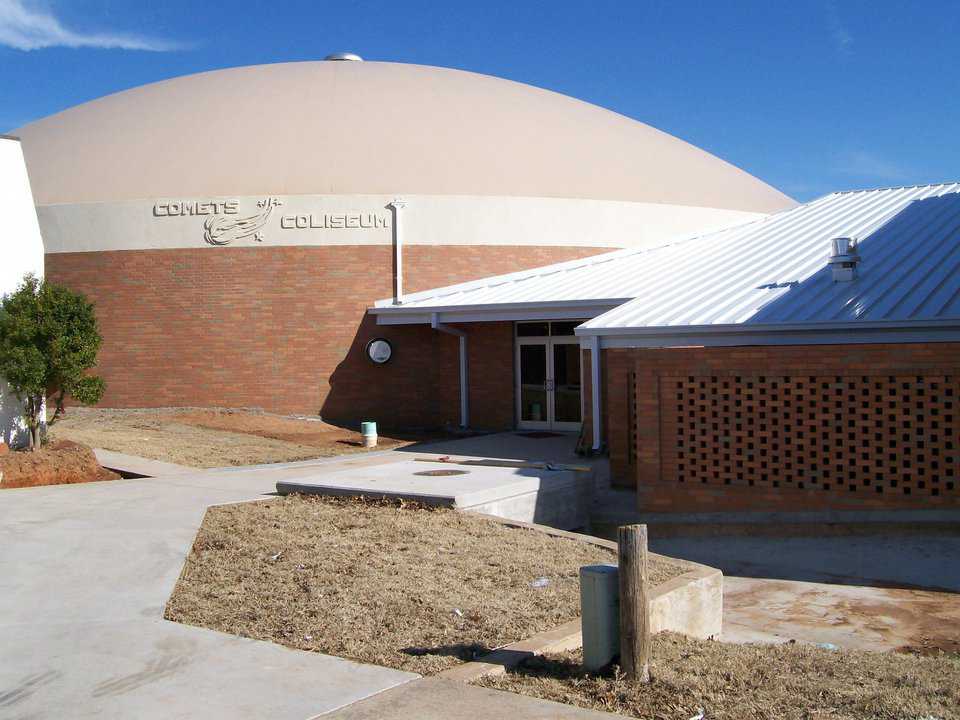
point(49, 339)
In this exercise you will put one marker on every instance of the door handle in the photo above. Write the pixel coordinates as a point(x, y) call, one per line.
point(549, 384)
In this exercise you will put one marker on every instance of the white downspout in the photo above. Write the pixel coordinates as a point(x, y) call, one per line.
point(595, 389)
point(397, 206)
point(464, 385)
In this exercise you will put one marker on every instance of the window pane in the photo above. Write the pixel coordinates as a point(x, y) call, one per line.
point(537, 329)
point(563, 328)
point(566, 376)
point(533, 378)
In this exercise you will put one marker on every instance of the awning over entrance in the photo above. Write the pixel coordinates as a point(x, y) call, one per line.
point(581, 288)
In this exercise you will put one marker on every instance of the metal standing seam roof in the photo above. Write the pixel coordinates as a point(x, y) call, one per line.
point(767, 273)
point(775, 272)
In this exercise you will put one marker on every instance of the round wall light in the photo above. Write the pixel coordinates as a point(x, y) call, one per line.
point(379, 350)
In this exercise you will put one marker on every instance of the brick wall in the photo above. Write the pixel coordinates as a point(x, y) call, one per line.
point(284, 328)
point(827, 427)
point(618, 411)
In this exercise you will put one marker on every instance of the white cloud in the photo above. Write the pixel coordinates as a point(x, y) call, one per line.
point(32, 28)
point(841, 38)
point(865, 164)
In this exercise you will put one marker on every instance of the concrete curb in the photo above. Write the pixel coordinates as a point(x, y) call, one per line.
point(690, 604)
point(561, 638)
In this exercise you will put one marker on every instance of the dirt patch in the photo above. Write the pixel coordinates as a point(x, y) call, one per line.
point(393, 584)
point(207, 438)
point(786, 682)
point(866, 618)
point(58, 463)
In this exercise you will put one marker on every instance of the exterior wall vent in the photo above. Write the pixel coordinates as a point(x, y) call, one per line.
point(344, 56)
point(844, 259)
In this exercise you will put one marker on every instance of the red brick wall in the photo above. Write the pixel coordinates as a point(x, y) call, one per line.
point(787, 428)
point(284, 328)
point(617, 411)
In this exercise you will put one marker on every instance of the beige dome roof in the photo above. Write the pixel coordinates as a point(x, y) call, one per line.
point(368, 128)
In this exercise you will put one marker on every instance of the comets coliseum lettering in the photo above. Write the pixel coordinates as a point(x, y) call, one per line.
point(225, 224)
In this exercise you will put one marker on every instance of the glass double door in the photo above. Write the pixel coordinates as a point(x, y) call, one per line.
point(548, 383)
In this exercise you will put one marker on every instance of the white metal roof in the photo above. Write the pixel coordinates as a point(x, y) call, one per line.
point(774, 272)
point(771, 273)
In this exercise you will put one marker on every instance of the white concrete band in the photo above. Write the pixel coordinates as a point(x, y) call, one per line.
point(322, 220)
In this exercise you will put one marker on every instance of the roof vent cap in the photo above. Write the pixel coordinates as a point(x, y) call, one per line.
point(344, 56)
point(844, 259)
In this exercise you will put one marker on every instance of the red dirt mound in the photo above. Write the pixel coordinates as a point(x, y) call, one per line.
point(58, 463)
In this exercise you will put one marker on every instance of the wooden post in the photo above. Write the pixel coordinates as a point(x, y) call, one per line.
point(634, 602)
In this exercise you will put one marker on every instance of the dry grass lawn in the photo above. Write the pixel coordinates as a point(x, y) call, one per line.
point(207, 438)
point(741, 682)
point(398, 585)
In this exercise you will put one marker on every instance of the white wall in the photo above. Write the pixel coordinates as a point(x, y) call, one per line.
point(21, 251)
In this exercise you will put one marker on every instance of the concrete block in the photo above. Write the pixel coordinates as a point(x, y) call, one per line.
point(691, 604)
point(560, 498)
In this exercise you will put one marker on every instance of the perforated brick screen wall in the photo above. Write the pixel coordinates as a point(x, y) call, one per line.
point(827, 433)
point(786, 428)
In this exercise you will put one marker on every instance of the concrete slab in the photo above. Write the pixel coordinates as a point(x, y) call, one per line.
point(518, 445)
point(555, 497)
point(85, 572)
point(873, 592)
point(158, 669)
point(439, 699)
point(474, 486)
point(866, 618)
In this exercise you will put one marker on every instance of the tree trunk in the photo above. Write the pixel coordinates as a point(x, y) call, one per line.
point(60, 409)
point(34, 408)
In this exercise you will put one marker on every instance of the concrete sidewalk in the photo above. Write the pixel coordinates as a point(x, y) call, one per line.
point(85, 573)
point(133, 466)
point(439, 699)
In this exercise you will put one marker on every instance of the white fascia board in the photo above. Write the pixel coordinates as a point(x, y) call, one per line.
point(744, 329)
point(493, 313)
point(406, 319)
point(691, 337)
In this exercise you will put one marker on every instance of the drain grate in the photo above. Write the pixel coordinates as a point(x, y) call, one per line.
point(442, 473)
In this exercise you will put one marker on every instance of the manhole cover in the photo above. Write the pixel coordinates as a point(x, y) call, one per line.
point(442, 473)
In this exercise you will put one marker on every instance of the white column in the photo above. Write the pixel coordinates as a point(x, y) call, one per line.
point(595, 389)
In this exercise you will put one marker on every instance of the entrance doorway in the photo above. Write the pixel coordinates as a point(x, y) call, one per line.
point(548, 376)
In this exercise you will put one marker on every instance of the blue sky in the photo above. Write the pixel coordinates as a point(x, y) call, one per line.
point(811, 96)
